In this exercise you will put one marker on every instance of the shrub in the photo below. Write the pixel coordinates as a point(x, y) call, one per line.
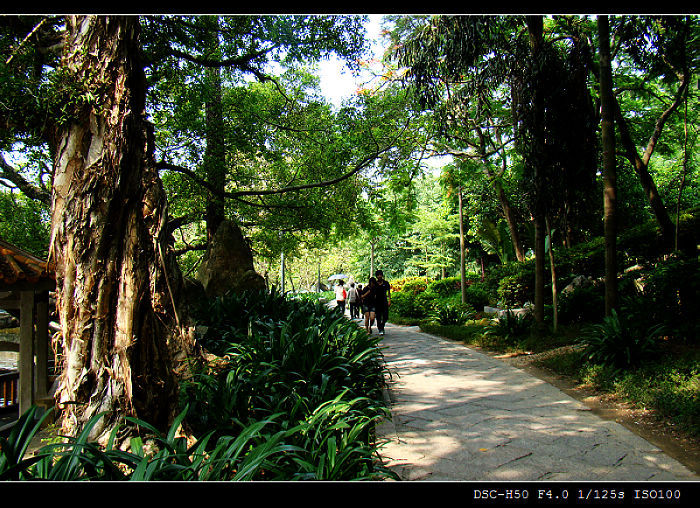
point(415, 284)
point(412, 305)
point(496, 273)
point(456, 314)
point(402, 304)
point(514, 290)
point(586, 303)
point(672, 292)
point(477, 296)
point(670, 386)
point(617, 343)
point(423, 304)
point(447, 286)
point(301, 360)
point(510, 326)
point(640, 243)
point(586, 258)
point(242, 457)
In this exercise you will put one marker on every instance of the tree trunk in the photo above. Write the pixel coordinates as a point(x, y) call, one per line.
point(641, 164)
point(511, 221)
point(462, 260)
point(540, 234)
point(648, 185)
point(684, 172)
point(555, 289)
point(609, 167)
point(124, 341)
point(535, 27)
point(508, 212)
point(215, 153)
point(283, 274)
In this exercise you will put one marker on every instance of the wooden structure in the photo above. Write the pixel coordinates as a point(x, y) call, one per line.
point(25, 282)
point(8, 389)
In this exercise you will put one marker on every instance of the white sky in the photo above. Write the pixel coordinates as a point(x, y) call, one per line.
point(337, 82)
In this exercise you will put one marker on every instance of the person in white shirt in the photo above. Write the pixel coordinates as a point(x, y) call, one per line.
point(354, 301)
point(340, 296)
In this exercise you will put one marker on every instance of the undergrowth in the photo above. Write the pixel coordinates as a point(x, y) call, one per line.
point(296, 395)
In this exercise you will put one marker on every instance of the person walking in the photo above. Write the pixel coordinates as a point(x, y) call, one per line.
point(368, 296)
point(354, 301)
point(382, 301)
point(360, 307)
point(340, 296)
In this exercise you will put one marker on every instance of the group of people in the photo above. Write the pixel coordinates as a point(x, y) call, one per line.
point(373, 301)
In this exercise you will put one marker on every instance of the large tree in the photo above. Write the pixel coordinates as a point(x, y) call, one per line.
point(125, 342)
point(654, 57)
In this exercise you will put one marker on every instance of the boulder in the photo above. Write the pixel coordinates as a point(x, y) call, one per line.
point(8, 320)
point(227, 265)
point(580, 281)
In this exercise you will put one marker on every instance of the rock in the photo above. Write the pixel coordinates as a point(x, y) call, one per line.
point(515, 312)
point(526, 309)
point(228, 264)
point(8, 320)
point(580, 281)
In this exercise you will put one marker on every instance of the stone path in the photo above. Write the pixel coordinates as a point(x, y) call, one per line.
point(460, 415)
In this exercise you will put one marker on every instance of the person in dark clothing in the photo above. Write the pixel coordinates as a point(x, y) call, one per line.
point(369, 296)
point(383, 301)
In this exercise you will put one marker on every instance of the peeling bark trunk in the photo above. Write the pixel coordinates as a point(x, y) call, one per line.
point(123, 343)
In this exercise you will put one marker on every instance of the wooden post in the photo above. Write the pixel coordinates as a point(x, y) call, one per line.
point(41, 343)
point(26, 350)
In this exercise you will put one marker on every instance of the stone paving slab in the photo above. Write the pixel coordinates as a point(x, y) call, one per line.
point(460, 415)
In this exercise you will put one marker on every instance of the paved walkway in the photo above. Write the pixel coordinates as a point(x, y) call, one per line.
point(460, 415)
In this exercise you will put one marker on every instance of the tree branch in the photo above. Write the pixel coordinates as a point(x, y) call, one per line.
point(363, 163)
point(30, 190)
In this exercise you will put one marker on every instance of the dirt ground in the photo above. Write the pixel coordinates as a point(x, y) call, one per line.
point(660, 432)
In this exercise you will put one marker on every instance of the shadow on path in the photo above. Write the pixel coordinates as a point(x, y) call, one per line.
point(460, 415)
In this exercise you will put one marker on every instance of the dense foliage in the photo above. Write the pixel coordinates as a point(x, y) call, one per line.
point(296, 394)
